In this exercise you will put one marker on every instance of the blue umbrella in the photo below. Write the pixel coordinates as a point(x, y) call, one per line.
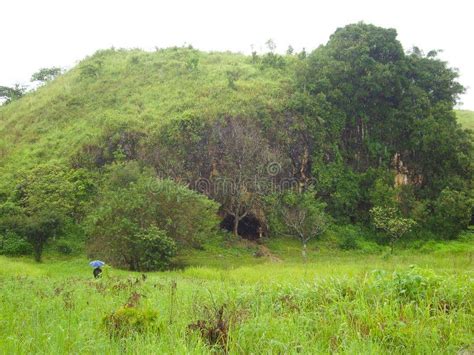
point(96, 263)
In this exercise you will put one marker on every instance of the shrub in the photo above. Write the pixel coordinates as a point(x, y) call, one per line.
point(157, 249)
point(452, 213)
point(349, 243)
point(64, 247)
point(413, 284)
point(130, 320)
point(14, 245)
point(140, 218)
point(348, 237)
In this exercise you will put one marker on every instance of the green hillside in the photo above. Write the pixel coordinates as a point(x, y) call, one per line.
point(139, 90)
point(132, 88)
point(354, 134)
point(466, 118)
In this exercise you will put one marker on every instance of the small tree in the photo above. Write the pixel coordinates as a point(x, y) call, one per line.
point(389, 220)
point(35, 229)
point(242, 172)
point(46, 74)
point(44, 201)
point(299, 215)
point(9, 94)
point(39, 229)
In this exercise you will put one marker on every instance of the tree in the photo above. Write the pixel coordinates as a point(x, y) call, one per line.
point(298, 215)
point(229, 160)
point(243, 168)
point(46, 74)
point(377, 104)
point(452, 213)
point(39, 228)
point(358, 75)
point(45, 200)
point(388, 220)
point(140, 218)
point(36, 229)
point(9, 94)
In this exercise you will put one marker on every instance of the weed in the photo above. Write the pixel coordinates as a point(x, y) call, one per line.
point(130, 320)
point(215, 330)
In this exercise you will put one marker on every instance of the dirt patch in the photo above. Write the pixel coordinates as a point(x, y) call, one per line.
point(264, 252)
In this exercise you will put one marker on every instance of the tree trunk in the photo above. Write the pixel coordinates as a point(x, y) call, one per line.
point(38, 250)
point(236, 227)
point(303, 252)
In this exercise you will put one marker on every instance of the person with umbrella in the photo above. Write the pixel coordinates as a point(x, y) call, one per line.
point(97, 264)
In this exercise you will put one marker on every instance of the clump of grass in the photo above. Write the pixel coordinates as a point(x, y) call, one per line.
point(214, 330)
point(126, 321)
point(131, 319)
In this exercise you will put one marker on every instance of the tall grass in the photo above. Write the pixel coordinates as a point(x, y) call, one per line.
point(340, 303)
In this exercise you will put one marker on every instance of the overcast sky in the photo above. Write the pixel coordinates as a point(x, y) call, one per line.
point(43, 33)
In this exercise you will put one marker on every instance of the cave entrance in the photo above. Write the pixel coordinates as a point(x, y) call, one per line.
point(249, 227)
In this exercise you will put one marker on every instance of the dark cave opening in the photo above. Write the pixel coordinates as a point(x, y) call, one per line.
point(249, 227)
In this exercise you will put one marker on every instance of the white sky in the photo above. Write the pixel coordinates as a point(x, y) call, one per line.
point(43, 33)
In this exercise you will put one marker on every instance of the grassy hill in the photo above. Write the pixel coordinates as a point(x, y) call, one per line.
point(466, 118)
point(139, 90)
point(303, 117)
point(131, 88)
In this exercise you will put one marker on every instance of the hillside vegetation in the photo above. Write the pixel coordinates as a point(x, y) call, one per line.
point(140, 156)
point(466, 118)
point(132, 89)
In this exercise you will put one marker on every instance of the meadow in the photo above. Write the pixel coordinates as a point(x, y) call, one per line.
point(415, 301)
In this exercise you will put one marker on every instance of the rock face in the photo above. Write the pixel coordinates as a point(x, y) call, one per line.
point(403, 176)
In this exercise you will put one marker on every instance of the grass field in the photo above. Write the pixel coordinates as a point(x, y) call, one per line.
point(345, 302)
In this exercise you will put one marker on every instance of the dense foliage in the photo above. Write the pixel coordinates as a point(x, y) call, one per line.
point(359, 121)
point(140, 219)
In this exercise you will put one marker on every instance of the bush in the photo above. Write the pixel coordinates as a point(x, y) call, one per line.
point(140, 219)
point(349, 243)
point(347, 236)
point(64, 247)
point(157, 249)
point(13, 245)
point(413, 284)
point(130, 320)
point(452, 213)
